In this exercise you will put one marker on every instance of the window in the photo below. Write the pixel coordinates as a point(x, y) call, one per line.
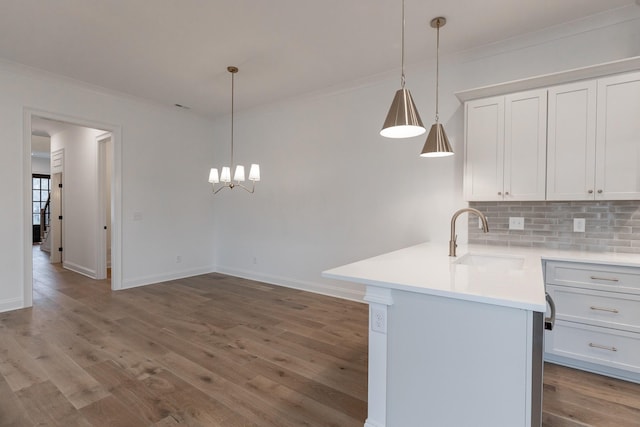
point(41, 185)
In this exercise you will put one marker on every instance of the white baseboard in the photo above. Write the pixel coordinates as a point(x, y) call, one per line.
point(79, 269)
point(593, 367)
point(149, 280)
point(318, 288)
point(11, 304)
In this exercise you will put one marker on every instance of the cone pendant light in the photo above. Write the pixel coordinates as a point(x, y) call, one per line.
point(403, 120)
point(437, 144)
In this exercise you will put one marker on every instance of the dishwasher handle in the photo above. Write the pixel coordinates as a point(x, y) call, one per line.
point(550, 321)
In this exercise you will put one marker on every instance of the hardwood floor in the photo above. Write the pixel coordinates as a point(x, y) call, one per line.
point(214, 350)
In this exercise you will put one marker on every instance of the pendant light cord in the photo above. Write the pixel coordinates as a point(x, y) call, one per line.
point(437, 65)
point(402, 49)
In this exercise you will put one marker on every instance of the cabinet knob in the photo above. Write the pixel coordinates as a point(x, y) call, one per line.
point(499, 193)
point(599, 191)
point(590, 191)
point(506, 194)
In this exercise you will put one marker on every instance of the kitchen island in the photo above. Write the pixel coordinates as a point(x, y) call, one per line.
point(453, 341)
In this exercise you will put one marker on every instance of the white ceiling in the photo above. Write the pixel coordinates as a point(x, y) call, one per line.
point(177, 51)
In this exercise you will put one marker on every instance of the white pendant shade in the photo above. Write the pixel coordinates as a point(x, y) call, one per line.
point(239, 174)
point(225, 176)
point(254, 172)
point(213, 176)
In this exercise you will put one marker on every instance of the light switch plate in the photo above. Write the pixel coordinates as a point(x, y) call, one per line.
point(578, 225)
point(516, 223)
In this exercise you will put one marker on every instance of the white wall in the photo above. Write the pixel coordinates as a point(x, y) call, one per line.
point(80, 199)
point(166, 155)
point(333, 191)
point(41, 165)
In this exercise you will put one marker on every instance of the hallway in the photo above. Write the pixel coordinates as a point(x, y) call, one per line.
point(48, 278)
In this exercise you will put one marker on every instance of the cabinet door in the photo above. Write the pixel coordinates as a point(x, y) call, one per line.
point(618, 138)
point(484, 149)
point(525, 145)
point(571, 141)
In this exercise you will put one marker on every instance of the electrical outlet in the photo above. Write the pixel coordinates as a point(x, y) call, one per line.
point(578, 225)
point(378, 320)
point(516, 223)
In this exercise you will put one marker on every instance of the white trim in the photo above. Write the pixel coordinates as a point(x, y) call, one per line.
point(79, 269)
point(593, 367)
point(27, 233)
point(116, 195)
point(11, 304)
point(101, 173)
point(378, 295)
point(150, 280)
point(317, 288)
point(379, 300)
point(552, 79)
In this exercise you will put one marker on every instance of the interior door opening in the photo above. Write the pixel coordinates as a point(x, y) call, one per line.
point(81, 160)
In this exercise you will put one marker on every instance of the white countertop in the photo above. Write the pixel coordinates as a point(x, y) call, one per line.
point(427, 269)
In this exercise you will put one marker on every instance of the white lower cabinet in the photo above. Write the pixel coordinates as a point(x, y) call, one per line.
point(597, 318)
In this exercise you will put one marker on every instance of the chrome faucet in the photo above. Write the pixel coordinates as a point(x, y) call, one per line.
point(452, 243)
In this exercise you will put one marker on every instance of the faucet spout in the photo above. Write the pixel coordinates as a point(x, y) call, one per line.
point(454, 237)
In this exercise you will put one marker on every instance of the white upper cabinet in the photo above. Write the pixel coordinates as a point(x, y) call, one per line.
point(525, 145)
point(594, 140)
point(505, 147)
point(571, 142)
point(484, 149)
point(575, 141)
point(618, 138)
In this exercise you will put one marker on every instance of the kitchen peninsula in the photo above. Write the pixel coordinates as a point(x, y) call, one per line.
point(458, 341)
point(453, 340)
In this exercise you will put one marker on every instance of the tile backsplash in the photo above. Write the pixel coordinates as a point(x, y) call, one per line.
point(612, 226)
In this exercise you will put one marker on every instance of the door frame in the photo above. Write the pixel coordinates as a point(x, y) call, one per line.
point(101, 236)
point(116, 195)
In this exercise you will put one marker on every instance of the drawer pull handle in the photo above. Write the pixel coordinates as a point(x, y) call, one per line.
point(604, 278)
point(602, 347)
point(610, 310)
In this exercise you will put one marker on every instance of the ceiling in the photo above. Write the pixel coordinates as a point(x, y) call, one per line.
point(177, 51)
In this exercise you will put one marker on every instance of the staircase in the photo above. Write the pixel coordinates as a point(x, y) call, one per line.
point(45, 220)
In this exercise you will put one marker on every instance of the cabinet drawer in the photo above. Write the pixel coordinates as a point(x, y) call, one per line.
point(607, 309)
point(593, 276)
point(593, 344)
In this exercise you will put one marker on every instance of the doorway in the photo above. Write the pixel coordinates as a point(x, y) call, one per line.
point(105, 181)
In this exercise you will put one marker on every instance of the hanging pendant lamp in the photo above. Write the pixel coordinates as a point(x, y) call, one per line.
point(238, 175)
point(403, 120)
point(437, 144)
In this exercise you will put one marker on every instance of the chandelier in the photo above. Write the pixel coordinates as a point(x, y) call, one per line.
point(224, 177)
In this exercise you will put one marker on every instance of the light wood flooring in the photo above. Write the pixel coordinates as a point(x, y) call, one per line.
point(214, 350)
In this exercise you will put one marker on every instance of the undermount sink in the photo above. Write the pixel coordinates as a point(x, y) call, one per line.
point(503, 262)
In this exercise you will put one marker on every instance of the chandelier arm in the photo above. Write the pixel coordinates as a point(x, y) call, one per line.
point(253, 187)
